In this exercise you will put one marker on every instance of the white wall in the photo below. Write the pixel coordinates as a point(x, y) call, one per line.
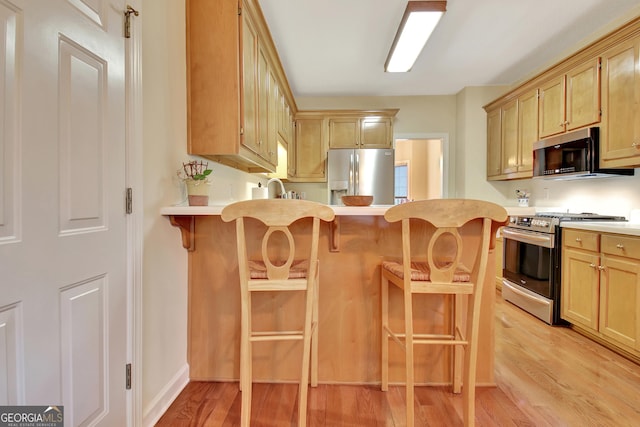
point(459, 116)
point(164, 259)
point(165, 369)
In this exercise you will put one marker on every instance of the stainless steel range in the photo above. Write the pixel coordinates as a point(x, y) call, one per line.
point(531, 261)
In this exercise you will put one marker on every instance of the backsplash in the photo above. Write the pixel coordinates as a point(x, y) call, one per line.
point(611, 196)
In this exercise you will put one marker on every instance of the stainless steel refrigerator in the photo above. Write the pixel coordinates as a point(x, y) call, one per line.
point(365, 172)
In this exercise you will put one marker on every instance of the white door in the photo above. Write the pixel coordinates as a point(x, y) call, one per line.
point(63, 299)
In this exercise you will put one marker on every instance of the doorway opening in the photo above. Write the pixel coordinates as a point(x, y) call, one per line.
point(420, 166)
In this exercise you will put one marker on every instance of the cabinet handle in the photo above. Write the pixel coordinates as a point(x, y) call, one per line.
point(635, 145)
point(592, 265)
point(620, 246)
point(600, 268)
point(578, 239)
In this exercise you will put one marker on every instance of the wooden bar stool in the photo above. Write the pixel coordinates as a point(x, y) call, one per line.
point(450, 258)
point(278, 268)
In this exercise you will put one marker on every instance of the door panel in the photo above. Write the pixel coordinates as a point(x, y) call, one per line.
point(63, 292)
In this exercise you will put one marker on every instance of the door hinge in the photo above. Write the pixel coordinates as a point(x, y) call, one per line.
point(128, 376)
point(129, 201)
point(127, 20)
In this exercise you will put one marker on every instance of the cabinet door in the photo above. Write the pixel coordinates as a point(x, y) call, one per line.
point(509, 132)
point(272, 121)
point(310, 150)
point(283, 119)
point(552, 107)
point(620, 128)
point(344, 132)
point(263, 104)
point(620, 300)
point(494, 141)
point(527, 130)
point(250, 85)
point(580, 287)
point(375, 132)
point(583, 95)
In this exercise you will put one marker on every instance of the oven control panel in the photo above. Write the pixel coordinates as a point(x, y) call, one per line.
point(533, 223)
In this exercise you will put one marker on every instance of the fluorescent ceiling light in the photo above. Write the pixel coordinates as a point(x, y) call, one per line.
point(418, 22)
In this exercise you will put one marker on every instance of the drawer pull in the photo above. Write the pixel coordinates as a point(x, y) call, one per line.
point(578, 239)
point(620, 246)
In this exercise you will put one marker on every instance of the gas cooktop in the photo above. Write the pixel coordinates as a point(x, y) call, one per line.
point(546, 222)
point(584, 216)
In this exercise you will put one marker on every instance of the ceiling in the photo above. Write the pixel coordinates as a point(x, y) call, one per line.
point(338, 47)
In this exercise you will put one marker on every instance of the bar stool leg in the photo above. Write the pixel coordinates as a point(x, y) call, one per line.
point(384, 297)
point(408, 322)
point(245, 362)
point(314, 336)
point(306, 349)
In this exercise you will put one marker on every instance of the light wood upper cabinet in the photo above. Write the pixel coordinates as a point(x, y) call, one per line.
point(232, 75)
point(494, 143)
point(344, 132)
point(512, 128)
point(249, 112)
point(310, 150)
point(376, 132)
point(509, 132)
point(583, 95)
point(366, 130)
point(620, 128)
point(527, 130)
point(552, 107)
point(570, 101)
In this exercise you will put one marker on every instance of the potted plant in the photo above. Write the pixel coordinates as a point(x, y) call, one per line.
point(195, 175)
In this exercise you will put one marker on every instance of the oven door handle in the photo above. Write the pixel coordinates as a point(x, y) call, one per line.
point(532, 238)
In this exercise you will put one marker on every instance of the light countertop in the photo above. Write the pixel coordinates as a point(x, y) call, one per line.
point(619, 227)
point(374, 210)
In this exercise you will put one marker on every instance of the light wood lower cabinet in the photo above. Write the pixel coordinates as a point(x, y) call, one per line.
point(601, 286)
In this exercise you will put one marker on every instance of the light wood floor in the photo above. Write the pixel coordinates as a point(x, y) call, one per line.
point(546, 376)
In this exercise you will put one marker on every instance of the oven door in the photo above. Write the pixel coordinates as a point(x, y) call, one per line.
point(528, 260)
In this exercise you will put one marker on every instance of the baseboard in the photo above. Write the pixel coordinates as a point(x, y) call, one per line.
point(159, 405)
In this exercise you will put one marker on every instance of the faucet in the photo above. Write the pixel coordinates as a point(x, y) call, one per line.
point(284, 192)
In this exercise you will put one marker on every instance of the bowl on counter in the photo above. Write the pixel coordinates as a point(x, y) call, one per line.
point(357, 200)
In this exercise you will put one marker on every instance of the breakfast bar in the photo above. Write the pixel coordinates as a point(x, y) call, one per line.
point(350, 252)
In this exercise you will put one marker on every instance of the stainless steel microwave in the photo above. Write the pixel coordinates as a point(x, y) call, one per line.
point(571, 155)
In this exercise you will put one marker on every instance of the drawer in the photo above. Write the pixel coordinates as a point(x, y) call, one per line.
point(614, 244)
point(580, 239)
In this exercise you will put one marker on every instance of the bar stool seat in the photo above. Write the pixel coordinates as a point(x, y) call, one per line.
point(450, 258)
point(280, 263)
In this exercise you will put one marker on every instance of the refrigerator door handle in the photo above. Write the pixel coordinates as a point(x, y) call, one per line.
point(350, 189)
point(356, 186)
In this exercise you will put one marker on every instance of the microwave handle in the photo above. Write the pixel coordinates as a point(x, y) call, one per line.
point(538, 239)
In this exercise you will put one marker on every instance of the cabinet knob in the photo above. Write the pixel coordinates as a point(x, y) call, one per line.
point(620, 246)
point(592, 265)
point(578, 239)
point(600, 268)
point(635, 144)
